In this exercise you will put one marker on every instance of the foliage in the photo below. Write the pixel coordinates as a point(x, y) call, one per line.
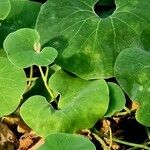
point(76, 47)
point(63, 141)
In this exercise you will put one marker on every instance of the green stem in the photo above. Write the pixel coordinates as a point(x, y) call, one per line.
point(131, 144)
point(124, 142)
point(29, 79)
point(32, 79)
point(148, 132)
point(44, 77)
point(127, 110)
point(120, 114)
point(98, 138)
point(111, 141)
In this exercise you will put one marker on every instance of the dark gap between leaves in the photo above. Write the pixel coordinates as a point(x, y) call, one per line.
point(105, 8)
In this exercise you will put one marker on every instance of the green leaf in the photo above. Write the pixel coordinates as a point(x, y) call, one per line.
point(4, 9)
point(81, 104)
point(145, 38)
point(132, 70)
point(63, 141)
point(23, 49)
point(19, 17)
point(117, 99)
point(12, 85)
point(88, 44)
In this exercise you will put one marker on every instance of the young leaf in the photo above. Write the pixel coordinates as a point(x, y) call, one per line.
point(23, 49)
point(81, 104)
point(132, 70)
point(19, 17)
point(63, 141)
point(88, 44)
point(12, 85)
point(4, 9)
point(117, 99)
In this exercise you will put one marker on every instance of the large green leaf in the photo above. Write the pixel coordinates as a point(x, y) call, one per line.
point(117, 99)
point(12, 85)
point(132, 70)
point(4, 9)
point(63, 141)
point(88, 45)
point(81, 104)
point(23, 49)
point(21, 16)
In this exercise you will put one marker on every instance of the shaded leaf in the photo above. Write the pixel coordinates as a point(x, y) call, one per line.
point(88, 44)
point(117, 99)
point(23, 49)
point(12, 85)
point(63, 141)
point(36, 90)
point(145, 38)
point(132, 70)
point(81, 104)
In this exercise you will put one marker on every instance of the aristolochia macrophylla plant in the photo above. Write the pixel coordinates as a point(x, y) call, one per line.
point(76, 46)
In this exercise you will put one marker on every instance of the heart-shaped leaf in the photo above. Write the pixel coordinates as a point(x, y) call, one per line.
point(23, 49)
point(81, 104)
point(117, 99)
point(4, 9)
point(88, 44)
point(19, 17)
point(12, 85)
point(132, 70)
point(63, 141)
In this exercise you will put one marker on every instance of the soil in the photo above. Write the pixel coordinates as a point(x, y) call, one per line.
point(16, 135)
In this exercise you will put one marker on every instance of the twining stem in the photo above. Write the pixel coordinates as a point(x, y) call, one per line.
point(31, 75)
point(131, 144)
point(30, 79)
point(127, 110)
point(44, 77)
point(110, 137)
point(98, 138)
point(142, 146)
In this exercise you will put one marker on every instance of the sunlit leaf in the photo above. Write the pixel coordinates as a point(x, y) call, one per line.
point(88, 44)
point(81, 104)
point(63, 141)
point(23, 49)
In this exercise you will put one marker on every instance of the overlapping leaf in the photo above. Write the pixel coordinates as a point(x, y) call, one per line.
point(88, 45)
point(81, 104)
point(12, 85)
point(4, 9)
point(132, 70)
point(19, 17)
point(62, 141)
point(23, 49)
point(117, 99)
